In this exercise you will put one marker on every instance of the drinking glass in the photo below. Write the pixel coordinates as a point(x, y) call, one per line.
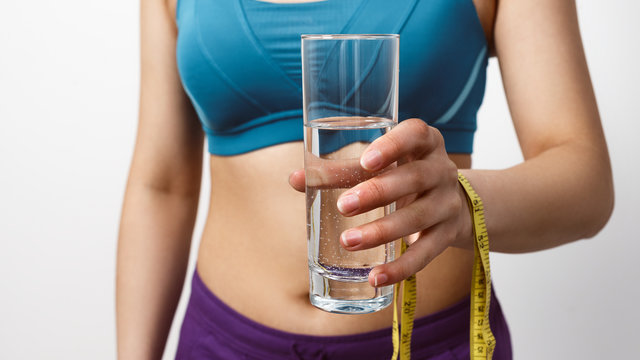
point(350, 98)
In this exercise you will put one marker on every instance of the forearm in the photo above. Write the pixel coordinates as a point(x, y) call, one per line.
point(153, 250)
point(563, 194)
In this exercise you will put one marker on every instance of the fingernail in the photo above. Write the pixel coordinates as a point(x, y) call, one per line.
point(351, 238)
point(371, 160)
point(348, 203)
point(380, 279)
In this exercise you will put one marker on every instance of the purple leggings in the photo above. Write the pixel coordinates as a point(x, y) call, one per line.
point(213, 330)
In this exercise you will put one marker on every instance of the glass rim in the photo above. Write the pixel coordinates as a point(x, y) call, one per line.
point(349, 36)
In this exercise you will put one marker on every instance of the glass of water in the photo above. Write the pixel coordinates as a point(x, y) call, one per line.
point(350, 98)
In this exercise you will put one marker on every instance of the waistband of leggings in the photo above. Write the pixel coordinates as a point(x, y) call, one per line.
point(442, 329)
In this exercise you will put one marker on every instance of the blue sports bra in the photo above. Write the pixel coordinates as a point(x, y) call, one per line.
point(239, 61)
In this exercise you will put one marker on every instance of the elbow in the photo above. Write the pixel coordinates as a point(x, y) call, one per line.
point(601, 210)
point(599, 221)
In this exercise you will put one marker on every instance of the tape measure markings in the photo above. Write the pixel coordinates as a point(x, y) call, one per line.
point(402, 343)
point(482, 341)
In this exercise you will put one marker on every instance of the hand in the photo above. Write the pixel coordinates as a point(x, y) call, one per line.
point(432, 212)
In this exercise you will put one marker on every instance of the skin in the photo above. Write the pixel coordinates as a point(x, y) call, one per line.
point(535, 205)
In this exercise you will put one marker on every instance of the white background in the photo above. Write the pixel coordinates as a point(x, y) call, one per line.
point(68, 104)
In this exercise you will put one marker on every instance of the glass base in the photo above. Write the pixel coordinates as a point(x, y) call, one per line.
point(347, 297)
point(352, 307)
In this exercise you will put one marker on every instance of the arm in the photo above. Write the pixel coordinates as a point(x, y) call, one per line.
point(161, 197)
point(562, 192)
point(564, 189)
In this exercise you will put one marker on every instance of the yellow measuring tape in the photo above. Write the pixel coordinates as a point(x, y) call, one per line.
point(482, 341)
point(409, 295)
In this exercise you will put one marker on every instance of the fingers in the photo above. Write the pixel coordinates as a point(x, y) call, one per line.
point(411, 138)
point(424, 213)
point(426, 181)
point(330, 175)
point(322, 173)
point(415, 177)
point(417, 256)
point(335, 174)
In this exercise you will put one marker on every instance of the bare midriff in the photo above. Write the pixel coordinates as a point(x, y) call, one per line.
point(253, 252)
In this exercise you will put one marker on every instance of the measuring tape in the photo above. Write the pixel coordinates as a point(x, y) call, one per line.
point(409, 295)
point(482, 341)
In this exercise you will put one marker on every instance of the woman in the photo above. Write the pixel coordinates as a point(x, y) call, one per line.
point(250, 292)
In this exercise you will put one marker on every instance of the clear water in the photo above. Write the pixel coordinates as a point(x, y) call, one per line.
point(332, 163)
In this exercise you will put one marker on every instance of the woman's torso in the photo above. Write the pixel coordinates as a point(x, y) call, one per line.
point(253, 252)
